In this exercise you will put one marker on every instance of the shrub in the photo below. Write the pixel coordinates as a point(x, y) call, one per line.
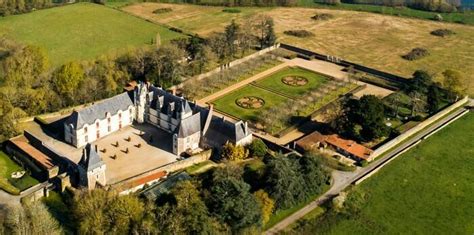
point(231, 10)
point(442, 32)
point(258, 148)
point(162, 10)
point(322, 16)
point(176, 30)
point(299, 33)
point(364, 163)
point(416, 53)
point(438, 17)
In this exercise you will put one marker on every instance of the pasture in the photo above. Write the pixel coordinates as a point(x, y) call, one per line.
point(82, 31)
point(369, 39)
point(427, 190)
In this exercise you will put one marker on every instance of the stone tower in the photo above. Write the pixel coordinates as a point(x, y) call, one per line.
point(140, 102)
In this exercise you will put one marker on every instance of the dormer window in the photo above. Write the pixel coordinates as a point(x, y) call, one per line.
point(108, 120)
point(120, 115)
point(97, 125)
point(85, 129)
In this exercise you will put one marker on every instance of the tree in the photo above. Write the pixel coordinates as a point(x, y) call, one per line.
point(231, 202)
point(314, 173)
point(66, 80)
point(369, 113)
point(452, 81)
point(258, 148)
point(420, 82)
point(433, 99)
point(232, 33)
point(266, 204)
point(184, 212)
point(101, 211)
point(284, 182)
point(265, 32)
point(234, 152)
point(32, 218)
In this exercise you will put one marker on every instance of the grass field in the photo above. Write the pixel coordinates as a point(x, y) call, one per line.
point(227, 103)
point(81, 31)
point(428, 190)
point(13, 186)
point(456, 17)
point(274, 81)
point(373, 40)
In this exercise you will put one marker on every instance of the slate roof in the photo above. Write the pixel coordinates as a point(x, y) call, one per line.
point(163, 98)
point(189, 126)
point(221, 130)
point(91, 159)
point(96, 111)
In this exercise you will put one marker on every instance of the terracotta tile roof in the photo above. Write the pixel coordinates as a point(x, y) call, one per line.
point(39, 157)
point(311, 140)
point(350, 146)
point(149, 178)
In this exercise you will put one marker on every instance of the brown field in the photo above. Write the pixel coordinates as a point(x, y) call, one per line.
point(373, 40)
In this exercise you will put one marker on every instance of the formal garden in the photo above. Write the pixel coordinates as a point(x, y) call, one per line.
point(282, 99)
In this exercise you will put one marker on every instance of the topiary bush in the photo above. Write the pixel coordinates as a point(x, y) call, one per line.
point(442, 32)
point(299, 33)
point(322, 16)
point(162, 10)
point(416, 53)
point(231, 10)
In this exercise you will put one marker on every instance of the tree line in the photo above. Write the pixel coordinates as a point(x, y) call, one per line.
point(425, 5)
point(243, 3)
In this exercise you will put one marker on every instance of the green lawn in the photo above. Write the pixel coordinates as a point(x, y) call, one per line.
point(13, 186)
point(274, 81)
point(81, 31)
point(428, 190)
point(227, 103)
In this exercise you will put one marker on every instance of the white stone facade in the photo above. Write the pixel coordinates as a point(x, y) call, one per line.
point(108, 124)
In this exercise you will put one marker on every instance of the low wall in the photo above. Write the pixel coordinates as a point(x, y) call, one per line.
point(124, 186)
point(382, 149)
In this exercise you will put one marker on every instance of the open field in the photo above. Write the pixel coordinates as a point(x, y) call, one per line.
point(428, 190)
point(372, 40)
point(14, 186)
point(81, 31)
point(274, 82)
point(227, 104)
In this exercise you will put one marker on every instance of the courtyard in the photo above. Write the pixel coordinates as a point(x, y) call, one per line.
point(129, 152)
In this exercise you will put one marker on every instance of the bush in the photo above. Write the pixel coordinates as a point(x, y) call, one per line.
point(176, 30)
point(162, 10)
point(258, 148)
point(442, 32)
point(322, 16)
point(299, 33)
point(364, 163)
point(438, 17)
point(416, 53)
point(231, 10)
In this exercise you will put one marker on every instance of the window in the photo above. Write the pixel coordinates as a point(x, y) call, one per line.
point(85, 129)
point(86, 138)
point(108, 120)
point(109, 128)
point(120, 124)
point(98, 134)
point(130, 111)
point(97, 125)
point(120, 116)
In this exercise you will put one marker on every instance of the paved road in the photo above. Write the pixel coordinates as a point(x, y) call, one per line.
point(343, 179)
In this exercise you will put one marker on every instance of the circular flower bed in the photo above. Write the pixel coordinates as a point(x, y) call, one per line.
point(294, 81)
point(250, 102)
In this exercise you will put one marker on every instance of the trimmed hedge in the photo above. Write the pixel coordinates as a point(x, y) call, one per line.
point(231, 10)
point(299, 33)
point(162, 10)
point(442, 32)
point(416, 53)
point(322, 16)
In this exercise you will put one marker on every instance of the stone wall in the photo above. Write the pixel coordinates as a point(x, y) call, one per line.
point(382, 149)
